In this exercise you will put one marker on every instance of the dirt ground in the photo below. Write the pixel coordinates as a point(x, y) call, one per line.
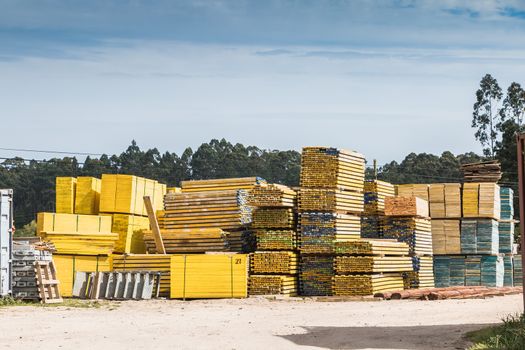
point(254, 323)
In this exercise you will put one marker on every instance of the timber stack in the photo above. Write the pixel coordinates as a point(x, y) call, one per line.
point(274, 265)
point(330, 202)
point(482, 172)
point(373, 217)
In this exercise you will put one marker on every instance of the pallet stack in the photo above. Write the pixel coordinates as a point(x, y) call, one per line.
point(275, 228)
point(25, 283)
point(489, 171)
point(330, 202)
point(506, 234)
point(407, 220)
point(367, 267)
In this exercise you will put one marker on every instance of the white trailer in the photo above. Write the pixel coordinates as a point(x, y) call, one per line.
point(6, 239)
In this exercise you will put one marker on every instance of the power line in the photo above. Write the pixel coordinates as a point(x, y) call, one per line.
point(53, 152)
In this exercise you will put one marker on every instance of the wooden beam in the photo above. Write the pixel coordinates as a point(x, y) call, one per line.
point(155, 229)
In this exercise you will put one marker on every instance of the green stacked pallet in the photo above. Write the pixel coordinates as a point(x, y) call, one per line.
point(492, 271)
point(508, 276)
point(473, 270)
point(506, 237)
point(442, 271)
point(457, 271)
point(517, 270)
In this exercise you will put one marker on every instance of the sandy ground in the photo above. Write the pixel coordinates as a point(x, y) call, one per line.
point(255, 323)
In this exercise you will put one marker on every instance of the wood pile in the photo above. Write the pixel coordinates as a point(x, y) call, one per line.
point(146, 262)
point(481, 200)
point(319, 199)
point(354, 285)
point(274, 262)
point(445, 200)
point(492, 271)
point(479, 236)
point(417, 190)
point(218, 209)
point(179, 241)
point(65, 188)
point(517, 270)
point(372, 226)
point(371, 247)
point(416, 232)
point(506, 237)
point(242, 183)
point(324, 167)
point(508, 274)
point(406, 206)
point(272, 218)
point(422, 274)
point(316, 275)
point(473, 270)
point(130, 229)
point(244, 241)
point(87, 195)
point(276, 239)
point(209, 276)
point(319, 231)
point(371, 264)
point(273, 285)
point(272, 195)
point(446, 238)
point(482, 172)
point(375, 193)
point(470, 270)
point(507, 204)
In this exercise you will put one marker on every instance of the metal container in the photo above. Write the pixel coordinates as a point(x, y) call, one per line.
point(6, 239)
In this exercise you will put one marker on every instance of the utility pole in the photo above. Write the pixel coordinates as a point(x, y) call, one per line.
point(375, 169)
point(520, 141)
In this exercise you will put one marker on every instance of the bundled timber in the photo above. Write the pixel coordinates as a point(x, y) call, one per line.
point(470, 199)
point(479, 236)
point(209, 276)
point(241, 183)
point(446, 238)
point(506, 237)
point(517, 270)
point(355, 285)
point(317, 199)
point(88, 243)
point(173, 190)
point(274, 262)
point(470, 270)
point(436, 200)
point(422, 274)
point(276, 239)
point(324, 167)
point(316, 275)
point(372, 226)
point(65, 194)
point(146, 262)
point(371, 247)
point(416, 232)
point(370, 264)
point(375, 193)
point(87, 195)
point(492, 271)
point(57, 222)
point(272, 195)
point(507, 203)
point(481, 200)
point(417, 190)
point(445, 200)
point(508, 275)
point(319, 231)
point(272, 218)
point(244, 241)
point(406, 206)
point(482, 172)
point(178, 241)
point(273, 285)
point(217, 209)
point(130, 229)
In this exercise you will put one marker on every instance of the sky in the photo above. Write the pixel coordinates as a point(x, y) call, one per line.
point(382, 77)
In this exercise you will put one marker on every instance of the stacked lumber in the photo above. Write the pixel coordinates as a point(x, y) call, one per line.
point(244, 241)
point(209, 276)
point(371, 247)
point(366, 284)
point(272, 195)
point(273, 285)
point(473, 270)
point(457, 271)
point(273, 218)
point(179, 241)
point(241, 183)
point(218, 209)
point(508, 274)
point(87, 195)
point(371, 264)
point(274, 262)
point(482, 172)
point(325, 167)
point(320, 199)
point(481, 200)
point(445, 200)
point(77, 234)
point(372, 226)
point(67, 265)
point(146, 262)
point(276, 239)
point(442, 271)
point(417, 190)
point(65, 188)
point(422, 274)
point(446, 237)
point(173, 190)
point(406, 206)
point(436, 200)
point(470, 199)
point(480, 236)
point(507, 203)
point(470, 270)
point(319, 231)
point(316, 274)
point(416, 232)
point(124, 194)
point(375, 193)
point(517, 270)
point(506, 237)
point(130, 229)
point(492, 271)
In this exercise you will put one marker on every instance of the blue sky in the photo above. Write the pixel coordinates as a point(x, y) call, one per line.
point(382, 77)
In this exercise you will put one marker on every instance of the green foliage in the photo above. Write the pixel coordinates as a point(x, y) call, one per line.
point(28, 230)
point(486, 116)
point(509, 336)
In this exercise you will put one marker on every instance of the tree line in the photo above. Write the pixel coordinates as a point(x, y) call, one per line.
point(496, 118)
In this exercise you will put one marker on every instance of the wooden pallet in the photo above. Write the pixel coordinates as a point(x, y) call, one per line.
point(47, 281)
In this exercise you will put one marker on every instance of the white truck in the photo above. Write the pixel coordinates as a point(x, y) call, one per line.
point(6, 239)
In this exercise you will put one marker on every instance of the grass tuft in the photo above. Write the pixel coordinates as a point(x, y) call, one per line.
point(509, 336)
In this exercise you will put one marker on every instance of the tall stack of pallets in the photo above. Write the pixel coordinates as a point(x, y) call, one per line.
point(330, 202)
point(407, 221)
point(274, 224)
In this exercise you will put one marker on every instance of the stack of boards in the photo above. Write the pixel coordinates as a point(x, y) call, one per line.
point(241, 183)
point(517, 270)
point(406, 206)
point(272, 195)
point(273, 272)
point(200, 240)
point(375, 193)
point(481, 200)
point(482, 172)
point(469, 270)
point(446, 236)
point(320, 199)
point(416, 232)
point(146, 262)
point(479, 236)
point(445, 200)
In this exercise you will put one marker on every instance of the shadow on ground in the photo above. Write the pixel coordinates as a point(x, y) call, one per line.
point(412, 338)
